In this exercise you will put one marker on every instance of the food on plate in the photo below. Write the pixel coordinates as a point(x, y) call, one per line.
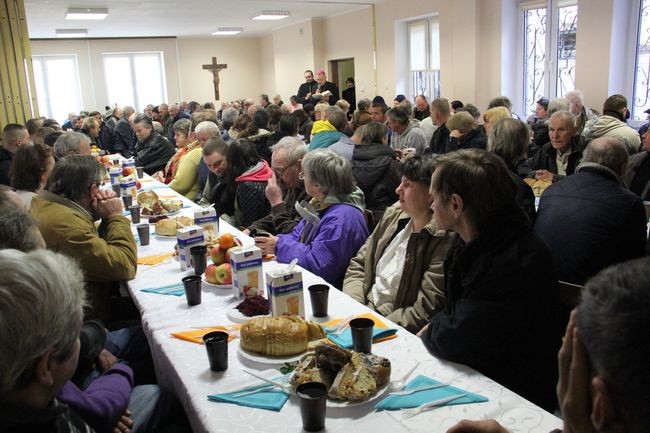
point(168, 226)
point(279, 336)
point(254, 306)
point(146, 198)
point(349, 376)
point(538, 185)
point(211, 239)
point(153, 205)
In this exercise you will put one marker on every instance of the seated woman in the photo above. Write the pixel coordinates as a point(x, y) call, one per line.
point(334, 227)
point(29, 171)
point(182, 171)
point(501, 287)
point(398, 271)
point(465, 133)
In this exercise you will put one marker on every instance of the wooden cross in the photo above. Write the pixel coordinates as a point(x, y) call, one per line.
point(215, 68)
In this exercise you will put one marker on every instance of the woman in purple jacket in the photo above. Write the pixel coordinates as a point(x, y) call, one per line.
point(333, 226)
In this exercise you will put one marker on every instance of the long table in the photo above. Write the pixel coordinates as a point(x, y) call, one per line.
point(183, 366)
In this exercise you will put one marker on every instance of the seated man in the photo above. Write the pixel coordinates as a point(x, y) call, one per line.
point(604, 377)
point(407, 133)
point(500, 281)
point(71, 143)
point(612, 124)
point(591, 220)
point(560, 156)
point(13, 136)
point(284, 189)
point(637, 175)
point(66, 211)
point(152, 151)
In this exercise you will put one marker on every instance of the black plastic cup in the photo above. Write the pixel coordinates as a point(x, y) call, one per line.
point(313, 399)
point(362, 334)
point(143, 233)
point(216, 343)
point(117, 189)
point(319, 293)
point(192, 286)
point(140, 172)
point(199, 258)
point(128, 200)
point(134, 210)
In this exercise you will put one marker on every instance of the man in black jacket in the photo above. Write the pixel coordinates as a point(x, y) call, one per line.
point(153, 151)
point(590, 219)
point(123, 136)
point(307, 88)
point(325, 86)
point(440, 113)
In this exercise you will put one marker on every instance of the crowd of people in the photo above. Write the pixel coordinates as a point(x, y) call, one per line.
point(423, 211)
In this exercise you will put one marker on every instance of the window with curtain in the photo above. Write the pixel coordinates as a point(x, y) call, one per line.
point(424, 58)
point(135, 79)
point(642, 65)
point(57, 85)
point(549, 36)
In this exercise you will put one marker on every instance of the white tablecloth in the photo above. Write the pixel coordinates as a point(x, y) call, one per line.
point(183, 366)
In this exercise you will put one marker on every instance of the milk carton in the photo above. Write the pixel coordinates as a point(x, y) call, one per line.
point(246, 265)
point(129, 163)
point(128, 186)
point(285, 293)
point(115, 173)
point(207, 218)
point(188, 237)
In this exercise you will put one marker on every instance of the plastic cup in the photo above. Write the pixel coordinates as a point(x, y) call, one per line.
point(128, 200)
point(199, 258)
point(319, 293)
point(313, 399)
point(140, 172)
point(192, 289)
point(216, 344)
point(117, 189)
point(143, 234)
point(361, 329)
point(134, 210)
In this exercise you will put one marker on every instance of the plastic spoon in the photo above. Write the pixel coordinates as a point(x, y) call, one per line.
point(399, 384)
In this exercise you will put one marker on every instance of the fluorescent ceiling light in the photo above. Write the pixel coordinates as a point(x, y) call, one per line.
point(227, 31)
point(71, 33)
point(271, 15)
point(86, 14)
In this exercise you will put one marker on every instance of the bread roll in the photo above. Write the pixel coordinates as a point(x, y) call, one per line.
point(166, 227)
point(278, 336)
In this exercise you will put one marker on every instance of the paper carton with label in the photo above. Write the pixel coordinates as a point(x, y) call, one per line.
point(247, 277)
point(207, 218)
point(285, 293)
point(188, 237)
point(128, 186)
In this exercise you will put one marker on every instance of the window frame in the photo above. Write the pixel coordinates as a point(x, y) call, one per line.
point(41, 60)
point(432, 76)
point(634, 27)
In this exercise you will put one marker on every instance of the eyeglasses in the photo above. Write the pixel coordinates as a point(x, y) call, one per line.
point(279, 172)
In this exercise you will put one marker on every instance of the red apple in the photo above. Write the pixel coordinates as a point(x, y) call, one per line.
point(210, 274)
point(219, 255)
point(138, 185)
point(126, 171)
point(223, 274)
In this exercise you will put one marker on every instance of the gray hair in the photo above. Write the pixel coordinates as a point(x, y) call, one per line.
point(338, 119)
point(331, 171)
point(399, 115)
point(574, 95)
point(69, 143)
point(73, 175)
point(143, 119)
point(566, 116)
point(558, 104)
point(182, 126)
point(157, 126)
point(343, 105)
point(613, 320)
point(374, 132)
point(41, 308)
point(228, 117)
point(462, 121)
point(206, 125)
point(407, 106)
point(609, 152)
point(18, 230)
point(294, 147)
point(127, 111)
point(364, 104)
point(509, 139)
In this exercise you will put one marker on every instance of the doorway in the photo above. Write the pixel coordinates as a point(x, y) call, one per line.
point(341, 70)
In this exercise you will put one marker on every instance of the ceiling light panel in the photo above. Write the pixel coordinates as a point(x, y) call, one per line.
point(86, 14)
point(271, 15)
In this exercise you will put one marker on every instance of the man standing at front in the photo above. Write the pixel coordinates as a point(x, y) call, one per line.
point(325, 86)
point(307, 88)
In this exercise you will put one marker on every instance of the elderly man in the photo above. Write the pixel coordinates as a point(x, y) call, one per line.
point(66, 211)
point(576, 100)
point(325, 86)
point(591, 220)
point(71, 143)
point(440, 114)
point(407, 133)
point(604, 378)
point(284, 188)
point(70, 121)
point(13, 136)
point(175, 113)
point(421, 108)
point(612, 124)
point(153, 150)
point(308, 88)
point(123, 136)
point(560, 156)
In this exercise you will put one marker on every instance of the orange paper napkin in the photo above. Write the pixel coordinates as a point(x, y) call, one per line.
point(153, 260)
point(196, 335)
point(374, 318)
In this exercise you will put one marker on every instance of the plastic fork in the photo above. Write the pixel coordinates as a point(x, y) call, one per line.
point(409, 413)
point(285, 387)
point(422, 388)
point(340, 327)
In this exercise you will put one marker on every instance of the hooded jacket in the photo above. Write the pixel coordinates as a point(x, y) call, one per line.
point(375, 169)
point(324, 134)
point(412, 137)
point(610, 126)
point(250, 199)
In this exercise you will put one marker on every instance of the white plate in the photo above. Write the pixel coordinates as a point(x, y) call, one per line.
point(262, 359)
point(338, 403)
point(236, 316)
point(215, 286)
point(162, 214)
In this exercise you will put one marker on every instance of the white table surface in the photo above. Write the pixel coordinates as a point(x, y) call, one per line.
point(183, 366)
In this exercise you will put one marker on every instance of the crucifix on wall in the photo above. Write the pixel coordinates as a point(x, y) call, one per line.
point(215, 68)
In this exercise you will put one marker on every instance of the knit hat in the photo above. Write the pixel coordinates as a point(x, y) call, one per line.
point(400, 98)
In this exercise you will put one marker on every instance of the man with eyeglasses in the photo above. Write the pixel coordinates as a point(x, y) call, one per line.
point(66, 211)
point(307, 88)
point(284, 188)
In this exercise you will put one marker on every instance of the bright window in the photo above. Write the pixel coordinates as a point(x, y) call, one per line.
point(642, 68)
point(548, 72)
point(57, 85)
point(424, 58)
point(135, 79)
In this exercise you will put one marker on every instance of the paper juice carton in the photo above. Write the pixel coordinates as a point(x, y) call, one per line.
point(285, 293)
point(246, 265)
point(188, 237)
point(115, 173)
point(207, 218)
point(116, 159)
point(129, 163)
point(128, 186)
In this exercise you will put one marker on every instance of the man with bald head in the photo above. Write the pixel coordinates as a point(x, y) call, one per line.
point(590, 219)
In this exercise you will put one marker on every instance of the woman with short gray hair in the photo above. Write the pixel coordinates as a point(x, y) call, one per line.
point(333, 226)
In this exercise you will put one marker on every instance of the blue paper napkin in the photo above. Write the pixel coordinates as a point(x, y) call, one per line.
point(176, 289)
point(396, 402)
point(345, 339)
point(270, 399)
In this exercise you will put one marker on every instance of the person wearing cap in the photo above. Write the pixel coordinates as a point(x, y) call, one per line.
point(325, 86)
point(612, 124)
point(398, 100)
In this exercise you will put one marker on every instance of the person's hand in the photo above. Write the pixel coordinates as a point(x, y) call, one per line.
point(573, 387)
point(423, 331)
point(125, 422)
point(106, 360)
point(106, 204)
point(159, 176)
point(486, 426)
point(273, 191)
point(266, 244)
point(544, 175)
point(455, 133)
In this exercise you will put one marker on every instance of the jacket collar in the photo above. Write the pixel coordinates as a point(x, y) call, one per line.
point(606, 172)
point(432, 226)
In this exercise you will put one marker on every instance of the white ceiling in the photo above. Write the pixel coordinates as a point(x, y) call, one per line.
point(183, 18)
